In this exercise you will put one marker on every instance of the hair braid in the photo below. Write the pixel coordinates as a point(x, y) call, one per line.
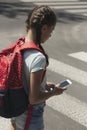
point(40, 16)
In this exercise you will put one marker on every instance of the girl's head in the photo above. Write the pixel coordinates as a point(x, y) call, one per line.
point(43, 20)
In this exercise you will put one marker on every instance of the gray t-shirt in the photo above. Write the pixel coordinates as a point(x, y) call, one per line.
point(33, 61)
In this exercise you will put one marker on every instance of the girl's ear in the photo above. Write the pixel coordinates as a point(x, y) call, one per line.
point(44, 29)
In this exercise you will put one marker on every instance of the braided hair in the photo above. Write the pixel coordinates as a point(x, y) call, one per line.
point(39, 16)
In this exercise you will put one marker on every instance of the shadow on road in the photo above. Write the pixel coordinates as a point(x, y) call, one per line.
point(13, 9)
point(67, 17)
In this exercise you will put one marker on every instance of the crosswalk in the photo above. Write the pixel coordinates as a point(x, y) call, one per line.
point(69, 6)
point(67, 104)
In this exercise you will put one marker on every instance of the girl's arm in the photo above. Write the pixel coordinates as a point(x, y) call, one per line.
point(35, 95)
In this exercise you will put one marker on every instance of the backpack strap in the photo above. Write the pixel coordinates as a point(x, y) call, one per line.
point(28, 117)
point(30, 45)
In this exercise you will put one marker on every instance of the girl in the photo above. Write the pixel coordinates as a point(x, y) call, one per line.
point(40, 25)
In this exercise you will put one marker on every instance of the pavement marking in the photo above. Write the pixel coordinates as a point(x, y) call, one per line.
point(74, 6)
point(65, 7)
point(79, 55)
point(49, 1)
point(60, 4)
point(78, 11)
point(5, 124)
point(68, 71)
point(69, 7)
point(64, 3)
point(70, 106)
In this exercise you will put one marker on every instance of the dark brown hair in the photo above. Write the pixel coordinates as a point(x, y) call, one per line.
point(38, 17)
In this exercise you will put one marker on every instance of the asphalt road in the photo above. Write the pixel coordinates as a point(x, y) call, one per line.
point(68, 37)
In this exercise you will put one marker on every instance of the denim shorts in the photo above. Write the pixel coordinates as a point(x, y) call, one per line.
point(36, 123)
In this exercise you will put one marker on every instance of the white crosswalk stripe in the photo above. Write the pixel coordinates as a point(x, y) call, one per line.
point(79, 55)
point(49, 0)
point(71, 6)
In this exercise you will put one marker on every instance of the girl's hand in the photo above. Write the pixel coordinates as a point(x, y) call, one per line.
point(50, 86)
point(58, 90)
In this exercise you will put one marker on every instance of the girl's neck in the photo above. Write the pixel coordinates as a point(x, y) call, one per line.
point(30, 36)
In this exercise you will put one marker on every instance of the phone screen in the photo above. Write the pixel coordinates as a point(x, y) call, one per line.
point(65, 83)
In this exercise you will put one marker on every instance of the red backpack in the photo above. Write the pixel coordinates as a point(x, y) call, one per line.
point(13, 99)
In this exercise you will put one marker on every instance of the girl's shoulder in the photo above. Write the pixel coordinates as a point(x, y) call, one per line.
point(33, 54)
point(34, 59)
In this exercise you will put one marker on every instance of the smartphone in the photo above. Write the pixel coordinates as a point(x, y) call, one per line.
point(65, 83)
